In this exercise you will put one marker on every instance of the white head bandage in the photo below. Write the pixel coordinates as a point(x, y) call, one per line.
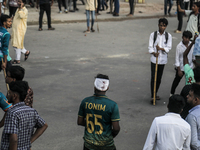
point(101, 84)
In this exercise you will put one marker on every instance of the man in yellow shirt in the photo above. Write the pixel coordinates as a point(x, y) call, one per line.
point(19, 27)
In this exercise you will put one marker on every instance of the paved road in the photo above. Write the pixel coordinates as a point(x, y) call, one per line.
point(61, 71)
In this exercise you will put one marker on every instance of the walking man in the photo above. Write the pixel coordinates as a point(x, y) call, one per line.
point(20, 120)
point(170, 6)
point(131, 4)
point(160, 43)
point(45, 6)
point(18, 32)
point(170, 132)
point(100, 117)
point(181, 47)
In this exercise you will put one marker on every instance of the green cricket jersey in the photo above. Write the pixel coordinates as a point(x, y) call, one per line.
point(99, 112)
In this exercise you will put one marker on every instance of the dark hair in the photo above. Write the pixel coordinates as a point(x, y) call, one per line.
point(176, 103)
point(4, 18)
point(101, 76)
point(197, 4)
point(163, 20)
point(20, 87)
point(187, 34)
point(195, 88)
point(16, 72)
point(196, 71)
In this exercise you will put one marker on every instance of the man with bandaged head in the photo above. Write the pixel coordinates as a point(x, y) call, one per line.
point(100, 116)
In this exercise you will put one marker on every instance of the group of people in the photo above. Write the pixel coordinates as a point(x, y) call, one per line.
point(179, 128)
point(20, 119)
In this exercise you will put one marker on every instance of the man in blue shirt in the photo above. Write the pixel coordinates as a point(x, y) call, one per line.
point(100, 116)
point(193, 117)
point(4, 42)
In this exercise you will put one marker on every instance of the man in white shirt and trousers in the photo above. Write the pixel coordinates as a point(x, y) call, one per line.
point(160, 43)
point(170, 132)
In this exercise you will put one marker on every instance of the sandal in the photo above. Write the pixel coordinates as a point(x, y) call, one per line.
point(26, 56)
point(51, 28)
point(40, 29)
point(15, 62)
point(87, 31)
point(157, 97)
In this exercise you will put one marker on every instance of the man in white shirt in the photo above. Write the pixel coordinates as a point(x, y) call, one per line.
point(159, 46)
point(170, 132)
point(180, 49)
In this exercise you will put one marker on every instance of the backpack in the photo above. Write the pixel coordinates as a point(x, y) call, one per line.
point(155, 37)
point(197, 21)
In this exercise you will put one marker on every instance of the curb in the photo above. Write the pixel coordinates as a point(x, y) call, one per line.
point(101, 20)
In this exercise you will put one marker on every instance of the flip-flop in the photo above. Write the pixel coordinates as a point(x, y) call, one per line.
point(40, 29)
point(92, 30)
point(15, 62)
point(51, 28)
point(26, 56)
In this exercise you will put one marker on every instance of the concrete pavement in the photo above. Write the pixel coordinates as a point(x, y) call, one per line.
point(149, 9)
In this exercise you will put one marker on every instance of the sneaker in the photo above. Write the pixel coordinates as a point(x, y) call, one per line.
point(66, 11)
point(60, 12)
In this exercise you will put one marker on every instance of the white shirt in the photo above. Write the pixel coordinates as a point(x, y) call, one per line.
point(161, 41)
point(192, 23)
point(169, 132)
point(180, 49)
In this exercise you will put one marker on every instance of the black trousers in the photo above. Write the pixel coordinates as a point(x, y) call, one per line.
point(176, 81)
point(131, 2)
point(12, 11)
point(191, 4)
point(186, 4)
point(159, 77)
point(63, 2)
point(45, 7)
point(99, 5)
point(74, 5)
point(180, 20)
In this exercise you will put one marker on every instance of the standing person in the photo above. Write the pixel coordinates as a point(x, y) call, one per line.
point(100, 116)
point(90, 7)
point(193, 117)
point(170, 132)
point(160, 43)
point(193, 18)
point(45, 6)
point(4, 42)
point(131, 4)
point(170, 6)
point(16, 73)
point(13, 5)
point(63, 2)
point(181, 47)
point(116, 9)
point(18, 32)
point(179, 16)
point(21, 120)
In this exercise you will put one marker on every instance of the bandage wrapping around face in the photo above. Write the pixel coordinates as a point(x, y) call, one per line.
point(101, 84)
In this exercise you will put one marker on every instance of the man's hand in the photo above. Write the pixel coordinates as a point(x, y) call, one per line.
point(180, 73)
point(156, 54)
point(51, 3)
point(195, 36)
point(3, 66)
point(4, 3)
point(157, 47)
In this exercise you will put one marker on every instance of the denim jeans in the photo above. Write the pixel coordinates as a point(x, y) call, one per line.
point(116, 6)
point(88, 17)
point(170, 6)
